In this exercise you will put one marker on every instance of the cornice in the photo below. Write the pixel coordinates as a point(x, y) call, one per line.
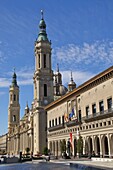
point(91, 83)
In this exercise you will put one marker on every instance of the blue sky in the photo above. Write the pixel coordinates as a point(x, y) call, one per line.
point(81, 32)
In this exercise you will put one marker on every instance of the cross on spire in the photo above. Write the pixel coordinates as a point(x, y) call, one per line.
point(42, 14)
point(57, 67)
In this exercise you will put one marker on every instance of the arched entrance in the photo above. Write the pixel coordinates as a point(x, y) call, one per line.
point(63, 146)
point(105, 149)
point(86, 147)
point(97, 146)
point(53, 148)
point(106, 145)
point(56, 148)
point(90, 145)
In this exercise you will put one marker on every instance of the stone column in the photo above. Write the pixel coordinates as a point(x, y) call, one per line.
point(59, 150)
point(84, 140)
point(73, 147)
point(56, 149)
point(18, 144)
point(109, 146)
point(93, 144)
point(52, 147)
point(31, 142)
point(100, 139)
point(49, 145)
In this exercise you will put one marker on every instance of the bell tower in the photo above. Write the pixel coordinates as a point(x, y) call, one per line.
point(14, 106)
point(43, 86)
point(43, 76)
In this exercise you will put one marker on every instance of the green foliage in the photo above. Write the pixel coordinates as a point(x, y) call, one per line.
point(80, 145)
point(63, 146)
point(27, 150)
point(45, 151)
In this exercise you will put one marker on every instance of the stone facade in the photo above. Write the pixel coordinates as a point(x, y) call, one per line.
point(3, 144)
point(31, 131)
point(87, 111)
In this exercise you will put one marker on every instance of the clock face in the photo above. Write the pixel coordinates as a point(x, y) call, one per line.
point(48, 78)
point(45, 101)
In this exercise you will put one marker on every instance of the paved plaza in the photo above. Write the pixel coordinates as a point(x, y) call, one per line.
point(105, 165)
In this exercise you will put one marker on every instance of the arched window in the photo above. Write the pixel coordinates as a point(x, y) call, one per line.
point(14, 97)
point(17, 97)
point(45, 90)
point(44, 60)
point(39, 60)
point(11, 97)
point(14, 118)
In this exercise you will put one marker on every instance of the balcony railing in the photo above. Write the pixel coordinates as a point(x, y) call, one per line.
point(99, 115)
point(73, 123)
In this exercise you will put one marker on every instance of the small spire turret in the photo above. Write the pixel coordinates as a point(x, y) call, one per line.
point(27, 108)
point(72, 84)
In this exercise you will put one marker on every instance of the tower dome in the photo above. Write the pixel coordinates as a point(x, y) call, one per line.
point(59, 89)
point(42, 36)
point(71, 84)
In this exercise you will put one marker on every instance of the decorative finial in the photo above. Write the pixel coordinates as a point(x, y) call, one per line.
point(71, 76)
point(42, 13)
point(57, 67)
point(27, 103)
point(14, 69)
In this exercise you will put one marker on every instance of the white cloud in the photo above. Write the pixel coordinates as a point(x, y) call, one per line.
point(2, 56)
point(24, 77)
point(5, 82)
point(87, 53)
point(79, 77)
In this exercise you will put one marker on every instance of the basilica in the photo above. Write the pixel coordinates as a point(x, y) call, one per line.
point(31, 130)
point(59, 116)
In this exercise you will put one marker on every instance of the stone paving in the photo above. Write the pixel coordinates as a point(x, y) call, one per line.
point(105, 165)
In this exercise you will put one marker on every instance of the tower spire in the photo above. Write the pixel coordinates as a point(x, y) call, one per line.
point(72, 84)
point(14, 81)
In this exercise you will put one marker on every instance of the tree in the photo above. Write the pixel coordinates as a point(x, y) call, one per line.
point(46, 151)
point(63, 146)
point(80, 145)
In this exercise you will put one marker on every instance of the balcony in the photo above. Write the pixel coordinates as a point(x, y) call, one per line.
point(99, 115)
point(73, 123)
point(57, 127)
